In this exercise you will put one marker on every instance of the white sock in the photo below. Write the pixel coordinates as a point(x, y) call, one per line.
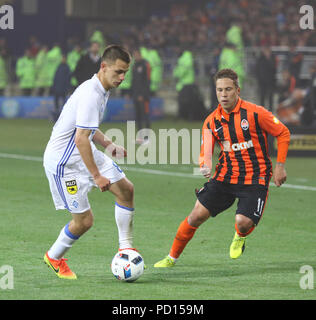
point(124, 217)
point(63, 243)
point(174, 259)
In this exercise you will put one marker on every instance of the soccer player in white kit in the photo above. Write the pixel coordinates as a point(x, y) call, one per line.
point(74, 165)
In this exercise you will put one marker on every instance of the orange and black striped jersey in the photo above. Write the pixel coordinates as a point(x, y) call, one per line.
point(242, 137)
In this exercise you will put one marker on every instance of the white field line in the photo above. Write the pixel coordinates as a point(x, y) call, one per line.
point(151, 171)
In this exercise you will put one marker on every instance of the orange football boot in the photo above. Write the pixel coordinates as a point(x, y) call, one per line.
point(60, 267)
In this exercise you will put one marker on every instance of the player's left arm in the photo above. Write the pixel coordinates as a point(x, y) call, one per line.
point(276, 128)
point(114, 149)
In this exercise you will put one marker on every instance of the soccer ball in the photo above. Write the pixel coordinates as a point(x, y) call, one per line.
point(127, 265)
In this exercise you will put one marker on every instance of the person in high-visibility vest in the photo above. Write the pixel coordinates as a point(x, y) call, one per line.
point(42, 80)
point(3, 73)
point(230, 59)
point(72, 60)
point(184, 70)
point(25, 71)
point(152, 56)
point(53, 58)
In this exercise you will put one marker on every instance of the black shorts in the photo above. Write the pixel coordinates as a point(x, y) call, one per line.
point(218, 196)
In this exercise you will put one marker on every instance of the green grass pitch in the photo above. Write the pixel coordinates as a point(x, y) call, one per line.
point(269, 268)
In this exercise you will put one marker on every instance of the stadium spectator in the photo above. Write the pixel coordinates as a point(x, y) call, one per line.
point(244, 170)
point(286, 85)
point(230, 58)
point(98, 37)
point(266, 76)
point(72, 59)
point(298, 104)
point(4, 48)
point(213, 71)
point(150, 53)
point(53, 59)
point(61, 86)
point(185, 75)
point(205, 26)
point(34, 46)
point(290, 100)
point(140, 91)
point(88, 64)
point(294, 63)
point(125, 87)
point(25, 71)
point(309, 104)
point(42, 77)
point(3, 72)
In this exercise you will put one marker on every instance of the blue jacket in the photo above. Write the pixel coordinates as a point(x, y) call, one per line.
point(62, 78)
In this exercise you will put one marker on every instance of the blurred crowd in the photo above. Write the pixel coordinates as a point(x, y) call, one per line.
point(264, 22)
point(219, 30)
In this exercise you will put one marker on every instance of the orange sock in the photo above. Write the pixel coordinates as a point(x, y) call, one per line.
point(243, 234)
point(184, 235)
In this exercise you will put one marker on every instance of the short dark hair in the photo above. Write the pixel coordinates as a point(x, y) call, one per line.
point(227, 73)
point(113, 52)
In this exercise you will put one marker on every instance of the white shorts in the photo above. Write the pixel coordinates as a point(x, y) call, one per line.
point(71, 191)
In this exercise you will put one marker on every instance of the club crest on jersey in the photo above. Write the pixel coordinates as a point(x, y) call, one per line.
point(71, 186)
point(244, 124)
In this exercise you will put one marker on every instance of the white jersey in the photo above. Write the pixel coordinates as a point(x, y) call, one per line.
point(84, 109)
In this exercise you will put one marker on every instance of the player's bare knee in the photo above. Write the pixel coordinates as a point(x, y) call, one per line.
point(127, 193)
point(87, 222)
point(244, 224)
point(82, 222)
point(198, 215)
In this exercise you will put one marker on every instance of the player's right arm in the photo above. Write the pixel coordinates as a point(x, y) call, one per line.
point(207, 149)
point(83, 144)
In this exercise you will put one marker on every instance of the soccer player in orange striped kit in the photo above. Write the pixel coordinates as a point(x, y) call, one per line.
point(244, 168)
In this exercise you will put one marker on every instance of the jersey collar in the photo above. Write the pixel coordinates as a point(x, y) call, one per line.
point(96, 79)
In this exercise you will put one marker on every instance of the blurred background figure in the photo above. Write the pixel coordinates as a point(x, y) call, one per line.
point(150, 53)
point(52, 61)
point(73, 57)
point(213, 69)
point(230, 58)
point(291, 100)
point(3, 72)
point(309, 104)
point(294, 62)
point(98, 37)
point(125, 86)
point(42, 75)
point(286, 86)
point(25, 72)
point(140, 91)
point(266, 76)
point(61, 86)
point(88, 64)
point(216, 35)
point(184, 74)
point(34, 45)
